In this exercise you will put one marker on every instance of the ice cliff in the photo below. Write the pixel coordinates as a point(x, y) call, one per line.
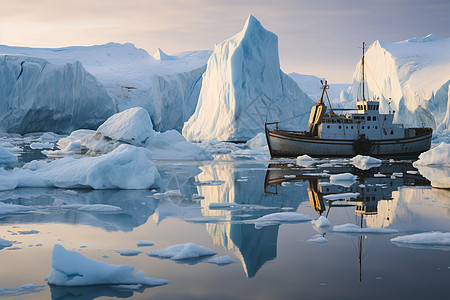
point(36, 95)
point(80, 87)
point(243, 87)
point(415, 74)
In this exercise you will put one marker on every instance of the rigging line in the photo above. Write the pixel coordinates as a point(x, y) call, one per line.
point(297, 116)
point(376, 85)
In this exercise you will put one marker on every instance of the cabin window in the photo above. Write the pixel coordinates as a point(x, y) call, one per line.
point(340, 126)
point(373, 197)
point(367, 198)
point(363, 127)
point(374, 118)
point(356, 117)
point(365, 106)
point(346, 127)
point(328, 126)
point(368, 127)
point(352, 127)
point(376, 127)
point(392, 131)
point(377, 107)
point(362, 117)
point(385, 118)
point(369, 118)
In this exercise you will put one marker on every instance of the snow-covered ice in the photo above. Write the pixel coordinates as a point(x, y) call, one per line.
point(5, 243)
point(126, 167)
point(220, 260)
point(70, 268)
point(425, 240)
point(40, 145)
point(365, 162)
point(352, 228)
point(243, 86)
point(129, 252)
point(321, 222)
point(344, 179)
point(182, 251)
point(142, 243)
point(435, 165)
point(279, 218)
point(305, 161)
point(318, 239)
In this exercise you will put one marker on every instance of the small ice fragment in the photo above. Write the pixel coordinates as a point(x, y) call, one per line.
point(128, 252)
point(290, 176)
point(182, 251)
point(29, 232)
point(318, 239)
point(352, 228)
point(142, 243)
point(285, 183)
point(321, 222)
point(220, 260)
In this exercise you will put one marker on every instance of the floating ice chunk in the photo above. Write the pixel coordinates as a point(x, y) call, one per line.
point(438, 156)
point(71, 144)
point(365, 162)
point(182, 251)
point(344, 179)
point(168, 194)
point(285, 183)
point(434, 238)
point(6, 157)
point(220, 260)
point(49, 137)
point(142, 243)
point(28, 232)
point(209, 182)
point(5, 243)
point(341, 196)
point(126, 167)
point(279, 218)
point(128, 252)
point(438, 175)
point(258, 142)
point(100, 208)
point(6, 183)
point(37, 145)
point(29, 288)
point(318, 239)
point(223, 205)
point(305, 161)
point(70, 268)
point(352, 228)
point(321, 222)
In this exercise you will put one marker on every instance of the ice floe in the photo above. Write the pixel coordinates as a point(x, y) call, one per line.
point(37, 145)
point(318, 239)
point(425, 240)
point(344, 179)
point(142, 243)
point(352, 228)
point(321, 222)
point(305, 161)
point(5, 243)
point(435, 165)
point(220, 260)
point(70, 268)
point(182, 252)
point(126, 167)
point(279, 218)
point(131, 252)
point(365, 162)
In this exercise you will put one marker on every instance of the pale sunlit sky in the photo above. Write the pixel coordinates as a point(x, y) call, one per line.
point(318, 37)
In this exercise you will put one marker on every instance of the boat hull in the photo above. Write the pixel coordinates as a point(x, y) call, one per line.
point(292, 144)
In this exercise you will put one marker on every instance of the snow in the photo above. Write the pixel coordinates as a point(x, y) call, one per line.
point(438, 156)
point(29, 288)
point(365, 162)
point(132, 126)
point(126, 167)
point(70, 268)
point(279, 218)
point(352, 228)
point(258, 142)
point(110, 78)
point(6, 157)
point(37, 145)
point(415, 75)
point(435, 165)
point(182, 251)
point(321, 222)
point(434, 238)
point(243, 87)
point(344, 179)
point(131, 252)
point(305, 161)
point(142, 243)
point(220, 260)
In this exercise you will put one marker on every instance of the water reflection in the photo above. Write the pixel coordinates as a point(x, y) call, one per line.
point(92, 292)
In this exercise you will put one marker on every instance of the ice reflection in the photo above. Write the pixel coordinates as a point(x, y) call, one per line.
point(93, 292)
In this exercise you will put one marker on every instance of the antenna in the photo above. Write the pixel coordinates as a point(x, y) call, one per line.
point(362, 63)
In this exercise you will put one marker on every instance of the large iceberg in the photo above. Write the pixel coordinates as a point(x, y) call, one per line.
point(414, 74)
point(89, 84)
point(243, 87)
point(37, 95)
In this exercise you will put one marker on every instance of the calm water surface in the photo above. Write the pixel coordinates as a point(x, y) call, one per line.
point(273, 262)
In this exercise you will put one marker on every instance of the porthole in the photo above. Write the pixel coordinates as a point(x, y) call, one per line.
point(368, 127)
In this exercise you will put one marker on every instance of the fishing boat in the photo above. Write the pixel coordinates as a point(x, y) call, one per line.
point(366, 132)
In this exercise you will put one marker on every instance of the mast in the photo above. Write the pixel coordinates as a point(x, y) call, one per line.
point(362, 63)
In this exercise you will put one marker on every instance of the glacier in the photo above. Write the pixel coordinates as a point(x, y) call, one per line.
point(243, 87)
point(45, 89)
point(415, 76)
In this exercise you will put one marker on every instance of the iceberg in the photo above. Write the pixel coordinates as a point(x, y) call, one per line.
point(126, 167)
point(435, 165)
point(414, 74)
point(243, 87)
point(182, 251)
point(70, 268)
point(6, 157)
point(110, 78)
point(38, 95)
point(425, 240)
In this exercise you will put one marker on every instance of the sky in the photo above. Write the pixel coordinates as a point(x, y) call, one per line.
point(316, 37)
